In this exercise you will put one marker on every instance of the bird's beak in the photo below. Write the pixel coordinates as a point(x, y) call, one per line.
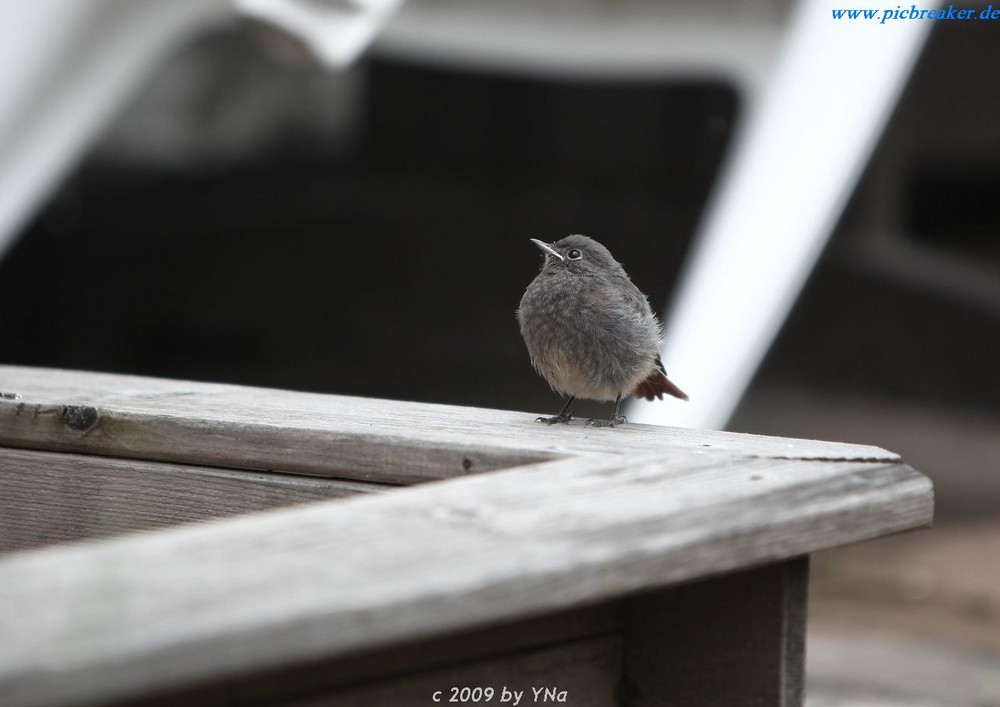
point(546, 247)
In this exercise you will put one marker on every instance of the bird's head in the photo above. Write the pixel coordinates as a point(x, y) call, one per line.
point(578, 255)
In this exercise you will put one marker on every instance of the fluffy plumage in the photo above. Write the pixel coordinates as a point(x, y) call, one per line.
point(590, 332)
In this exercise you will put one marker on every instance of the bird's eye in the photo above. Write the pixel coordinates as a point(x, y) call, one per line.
point(574, 254)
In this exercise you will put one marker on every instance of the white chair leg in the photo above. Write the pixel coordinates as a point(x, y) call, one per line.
point(794, 165)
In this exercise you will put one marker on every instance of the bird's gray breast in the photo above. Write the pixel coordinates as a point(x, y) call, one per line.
point(591, 337)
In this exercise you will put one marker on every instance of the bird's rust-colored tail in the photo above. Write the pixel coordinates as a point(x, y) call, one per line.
point(657, 384)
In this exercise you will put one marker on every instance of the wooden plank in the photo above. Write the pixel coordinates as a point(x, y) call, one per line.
point(730, 641)
point(48, 498)
point(582, 673)
point(337, 675)
point(116, 618)
point(366, 439)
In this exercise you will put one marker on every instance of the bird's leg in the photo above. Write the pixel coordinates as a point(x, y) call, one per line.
point(563, 415)
point(616, 419)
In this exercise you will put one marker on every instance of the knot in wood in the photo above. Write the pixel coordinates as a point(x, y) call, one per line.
point(78, 417)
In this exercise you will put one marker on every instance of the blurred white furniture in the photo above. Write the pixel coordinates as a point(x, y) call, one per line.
point(803, 146)
point(66, 66)
point(817, 92)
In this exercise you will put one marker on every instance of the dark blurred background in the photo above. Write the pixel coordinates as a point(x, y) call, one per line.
point(365, 233)
point(362, 233)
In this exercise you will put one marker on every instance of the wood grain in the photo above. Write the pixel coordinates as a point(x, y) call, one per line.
point(115, 618)
point(336, 436)
point(48, 497)
point(733, 641)
point(314, 679)
point(587, 671)
point(570, 517)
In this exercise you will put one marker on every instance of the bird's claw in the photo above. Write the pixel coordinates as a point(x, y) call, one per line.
point(554, 419)
point(613, 422)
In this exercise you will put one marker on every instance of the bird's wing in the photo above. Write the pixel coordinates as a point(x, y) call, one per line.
point(659, 364)
point(633, 297)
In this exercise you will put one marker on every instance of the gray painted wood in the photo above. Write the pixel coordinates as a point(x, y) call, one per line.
point(345, 437)
point(732, 641)
point(48, 497)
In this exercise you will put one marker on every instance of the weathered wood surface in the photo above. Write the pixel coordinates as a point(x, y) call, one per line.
point(728, 641)
point(345, 437)
point(322, 678)
point(116, 617)
point(48, 497)
point(571, 517)
point(733, 641)
point(584, 673)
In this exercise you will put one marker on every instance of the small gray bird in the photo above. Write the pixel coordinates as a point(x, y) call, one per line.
point(590, 332)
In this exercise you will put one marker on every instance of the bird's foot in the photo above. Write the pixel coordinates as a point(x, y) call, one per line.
point(613, 422)
point(554, 419)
